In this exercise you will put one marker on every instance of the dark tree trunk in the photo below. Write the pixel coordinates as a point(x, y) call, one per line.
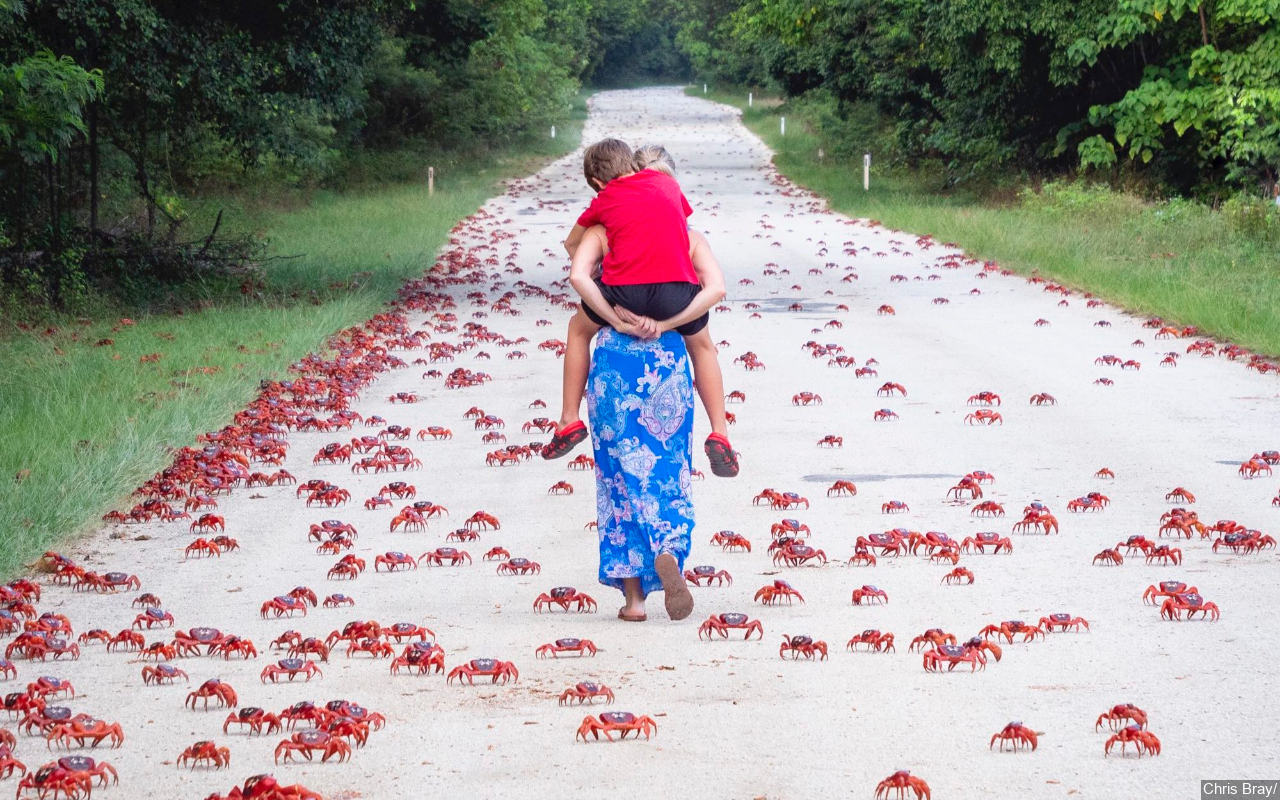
point(93, 170)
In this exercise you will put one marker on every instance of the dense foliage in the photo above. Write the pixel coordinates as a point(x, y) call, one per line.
point(1187, 91)
point(113, 111)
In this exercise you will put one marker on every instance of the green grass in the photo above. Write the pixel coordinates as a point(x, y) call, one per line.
point(85, 424)
point(1178, 260)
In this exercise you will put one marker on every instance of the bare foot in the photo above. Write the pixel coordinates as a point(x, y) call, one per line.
point(676, 594)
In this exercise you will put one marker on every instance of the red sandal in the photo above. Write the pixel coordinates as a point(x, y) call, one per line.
point(565, 439)
point(724, 462)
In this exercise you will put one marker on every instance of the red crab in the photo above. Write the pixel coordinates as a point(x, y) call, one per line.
point(482, 521)
point(586, 692)
point(981, 541)
point(405, 630)
point(958, 575)
point(873, 639)
point(1180, 495)
point(496, 554)
point(209, 522)
point(723, 623)
point(519, 566)
point(152, 617)
point(282, 605)
point(214, 689)
point(794, 554)
point(1037, 519)
point(806, 399)
point(1192, 603)
point(703, 575)
point(1009, 628)
point(831, 440)
point(393, 560)
point(788, 527)
point(728, 540)
point(1043, 399)
point(290, 668)
point(313, 741)
point(774, 593)
point(338, 600)
point(870, 594)
point(440, 555)
point(902, 782)
point(206, 753)
point(984, 416)
point(1016, 734)
point(987, 508)
point(583, 461)
point(200, 548)
point(966, 486)
point(1060, 623)
point(374, 647)
point(563, 596)
point(45, 687)
point(1253, 468)
point(842, 488)
point(8, 764)
point(420, 656)
point(582, 647)
point(561, 487)
point(162, 673)
point(1121, 715)
point(984, 398)
point(621, 722)
point(951, 655)
point(802, 646)
point(1164, 553)
point(894, 507)
point(497, 671)
point(1109, 557)
point(1144, 741)
point(888, 388)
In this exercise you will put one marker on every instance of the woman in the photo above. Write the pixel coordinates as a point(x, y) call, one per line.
point(640, 404)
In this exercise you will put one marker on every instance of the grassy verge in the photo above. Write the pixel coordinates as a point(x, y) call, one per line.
point(81, 424)
point(1178, 260)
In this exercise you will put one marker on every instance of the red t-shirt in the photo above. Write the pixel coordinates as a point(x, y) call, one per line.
point(645, 219)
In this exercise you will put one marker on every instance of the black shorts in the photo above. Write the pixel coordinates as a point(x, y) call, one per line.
point(657, 301)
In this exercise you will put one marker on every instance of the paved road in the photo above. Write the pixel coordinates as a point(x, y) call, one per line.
point(735, 720)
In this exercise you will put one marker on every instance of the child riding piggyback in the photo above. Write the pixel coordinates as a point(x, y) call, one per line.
point(655, 276)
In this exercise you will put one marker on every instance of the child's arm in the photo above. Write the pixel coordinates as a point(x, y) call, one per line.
point(711, 278)
point(590, 250)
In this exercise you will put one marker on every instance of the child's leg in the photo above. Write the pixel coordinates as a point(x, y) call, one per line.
point(577, 365)
point(707, 378)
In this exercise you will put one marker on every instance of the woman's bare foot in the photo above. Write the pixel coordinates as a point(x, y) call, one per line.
point(633, 594)
point(676, 594)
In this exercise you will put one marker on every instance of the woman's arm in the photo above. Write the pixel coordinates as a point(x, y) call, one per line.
point(709, 275)
point(591, 249)
point(574, 239)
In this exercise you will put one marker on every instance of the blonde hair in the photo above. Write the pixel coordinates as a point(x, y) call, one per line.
point(655, 156)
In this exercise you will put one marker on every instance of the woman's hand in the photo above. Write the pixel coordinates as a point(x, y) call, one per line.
point(636, 325)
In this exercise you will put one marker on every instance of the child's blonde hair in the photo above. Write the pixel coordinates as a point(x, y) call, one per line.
point(655, 156)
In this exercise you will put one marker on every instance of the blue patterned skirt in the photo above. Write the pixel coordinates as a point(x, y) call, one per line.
point(640, 405)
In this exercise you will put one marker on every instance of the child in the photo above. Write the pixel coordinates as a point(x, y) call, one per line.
point(656, 277)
